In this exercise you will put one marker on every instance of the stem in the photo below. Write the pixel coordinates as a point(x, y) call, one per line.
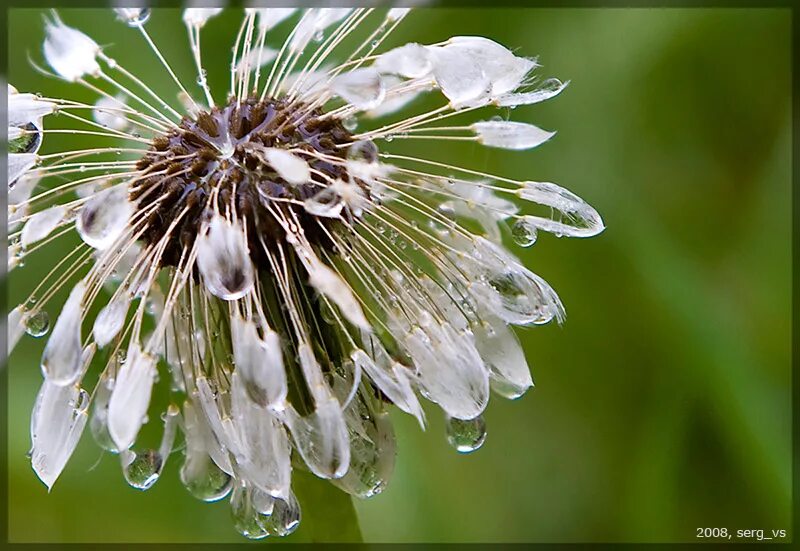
point(328, 514)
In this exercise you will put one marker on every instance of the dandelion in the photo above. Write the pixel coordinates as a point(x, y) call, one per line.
point(266, 255)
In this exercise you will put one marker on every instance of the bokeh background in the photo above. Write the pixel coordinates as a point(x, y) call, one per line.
point(662, 405)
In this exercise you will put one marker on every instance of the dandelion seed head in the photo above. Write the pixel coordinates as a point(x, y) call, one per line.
point(247, 156)
point(271, 258)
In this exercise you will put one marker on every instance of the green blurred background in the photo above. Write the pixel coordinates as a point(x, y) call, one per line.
point(662, 405)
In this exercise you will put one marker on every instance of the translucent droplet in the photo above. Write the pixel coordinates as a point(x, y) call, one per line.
point(350, 124)
point(447, 210)
point(326, 313)
point(152, 306)
point(143, 470)
point(141, 19)
point(372, 449)
point(363, 150)
point(507, 389)
point(28, 142)
point(98, 420)
point(285, 517)
point(389, 137)
point(201, 77)
point(246, 519)
point(37, 324)
point(524, 234)
point(466, 436)
point(208, 483)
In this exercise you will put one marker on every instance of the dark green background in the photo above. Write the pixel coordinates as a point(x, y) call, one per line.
point(662, 405)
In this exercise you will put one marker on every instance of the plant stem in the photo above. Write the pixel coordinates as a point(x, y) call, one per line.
point(328, 514)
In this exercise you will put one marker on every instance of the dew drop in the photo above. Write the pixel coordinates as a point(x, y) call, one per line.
point(206, 482)
point(143, 469)
point(389, 137)
point(326, 313)
point(141, 19)
point(350, 124)
point(523, 233)
point(285, 517)
point(447, 210)
point(507, 389)
point(466, 436)
point(152, 306)
point(37, 324)
point(98, 419)
point(246, 518)
point(28, 142)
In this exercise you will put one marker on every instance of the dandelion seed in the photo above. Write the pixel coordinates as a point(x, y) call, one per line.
point(301, 278)
point(70, 53)
point(107, 113)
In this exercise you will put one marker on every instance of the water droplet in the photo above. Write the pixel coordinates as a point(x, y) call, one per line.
point(466, 436)
point(263, 503)
point(376, 43)
point(319, 35)
point(140, 19)
point(143, 470)
point(201, 77)
point(28, 142)
point(507, 389)
point(326, 313)
point(350, 124)
point(205, 481)
point(37, 324)
point(389, 137)
point(447, 210)
point(285, 517)
point(246, 519)
point(98, 420)
point(523, 233)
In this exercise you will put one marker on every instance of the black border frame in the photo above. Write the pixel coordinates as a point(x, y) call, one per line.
point(598, 4)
